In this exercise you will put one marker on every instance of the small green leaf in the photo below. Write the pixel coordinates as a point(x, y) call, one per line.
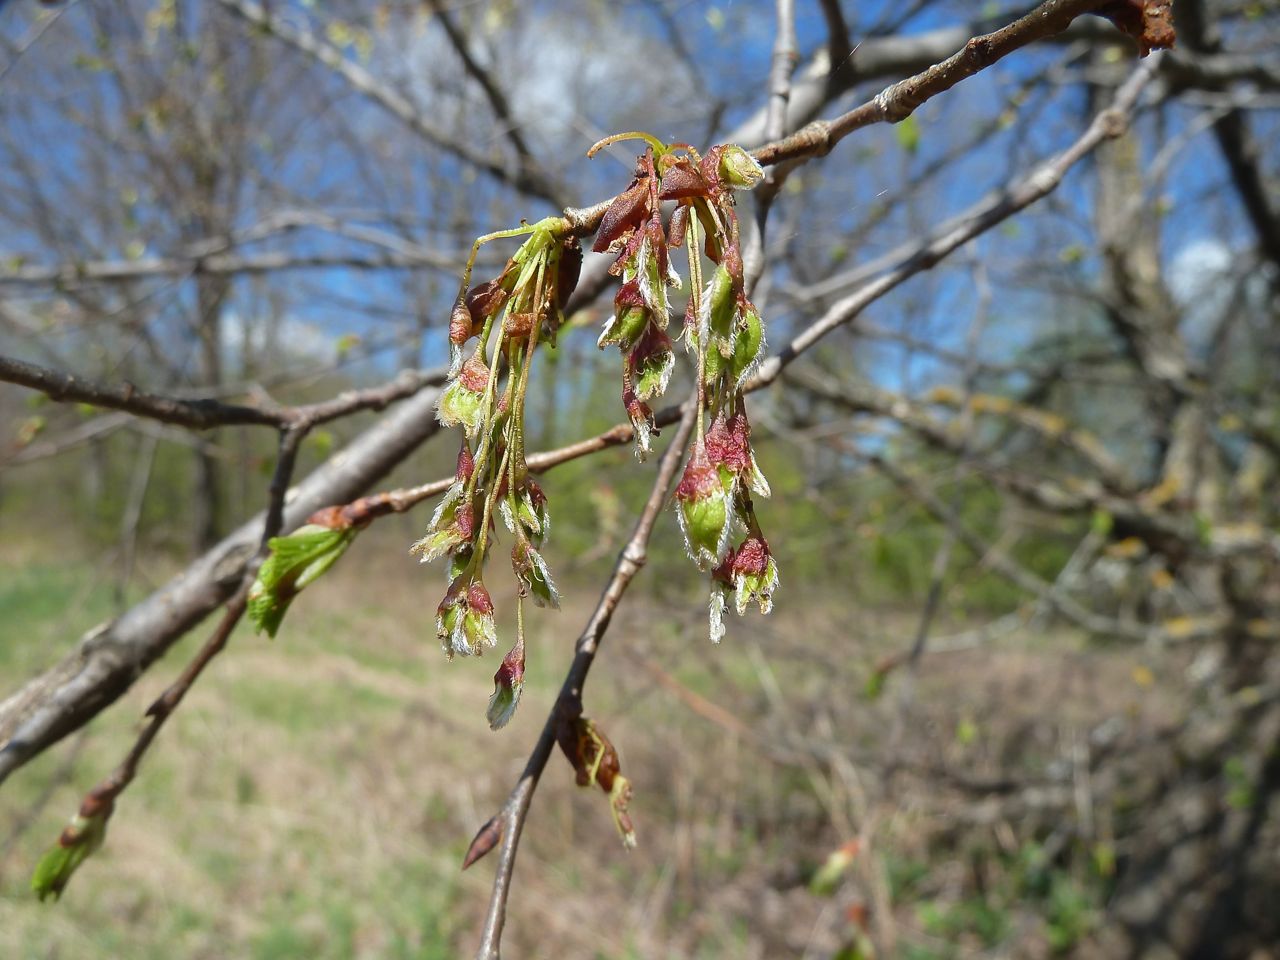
point(346, 343)
point(1102, 522)
point(295, 562)
point(78, 842)
point(322, 442)
point(827, 878)
point(875, 684)
point(908, 134)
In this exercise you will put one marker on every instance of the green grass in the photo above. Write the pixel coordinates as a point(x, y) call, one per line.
point(259, 825)
point(314, 795)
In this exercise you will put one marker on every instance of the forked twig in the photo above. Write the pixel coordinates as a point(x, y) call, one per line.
point(506, 825)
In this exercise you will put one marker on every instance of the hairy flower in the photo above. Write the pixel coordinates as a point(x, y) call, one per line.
point(508, 682)
point(452, 525)
point(748, 573)
point(754, 575)
point(654, 274)
point(534, 577)
point(462, 402)
point(464, 619)
point(704, 499)
point(530, 511)
point(630, 318)
point(650, 362)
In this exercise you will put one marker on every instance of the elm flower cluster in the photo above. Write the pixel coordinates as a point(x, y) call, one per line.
point(722, 330)
point(506, 317)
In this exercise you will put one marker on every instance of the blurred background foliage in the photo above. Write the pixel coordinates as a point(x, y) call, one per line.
point(190, 203)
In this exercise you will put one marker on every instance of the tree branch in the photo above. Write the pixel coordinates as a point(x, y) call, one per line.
point(984, 215)
point(493, 93)
point(897, 102)
point(203, 414)
point(526, 178)
point(516, 809)
point(109, 658)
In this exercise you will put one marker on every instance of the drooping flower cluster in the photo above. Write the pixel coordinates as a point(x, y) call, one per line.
point(722, 329)
point(507, 316)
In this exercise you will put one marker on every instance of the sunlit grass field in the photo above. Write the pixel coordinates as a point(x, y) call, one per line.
point(314, 795)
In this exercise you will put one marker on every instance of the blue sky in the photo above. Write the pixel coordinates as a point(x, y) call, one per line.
point(732, 45)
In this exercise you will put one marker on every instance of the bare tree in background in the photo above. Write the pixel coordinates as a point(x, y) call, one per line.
point(1089, 422)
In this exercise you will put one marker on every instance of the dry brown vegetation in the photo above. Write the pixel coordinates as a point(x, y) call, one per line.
point(327, 783)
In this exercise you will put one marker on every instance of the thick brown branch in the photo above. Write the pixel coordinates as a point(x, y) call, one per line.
point(897, 102)
point(110, 657)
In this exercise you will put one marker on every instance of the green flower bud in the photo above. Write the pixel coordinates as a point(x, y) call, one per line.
point(464, 619)
point(702, 507)
point(462, 402)
point(738, 168)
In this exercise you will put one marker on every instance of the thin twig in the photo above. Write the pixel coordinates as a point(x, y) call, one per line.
point(204, 413)
point(526, 178)
point(897, 102)
point(630, 561)
point(109, 790)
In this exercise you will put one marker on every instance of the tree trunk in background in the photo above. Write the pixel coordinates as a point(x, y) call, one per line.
point(206, 519)
point(1196, 874)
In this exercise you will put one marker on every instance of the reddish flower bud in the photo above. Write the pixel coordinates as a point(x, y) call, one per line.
point(628, 210)
point(679, 224)
point(517, 326)
point(466, 463)
point(569, 270)
point(508, 682)
point(641, 417)
point(460, 326)
point(728, 444)
point(682, 180)
point(485, 300)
